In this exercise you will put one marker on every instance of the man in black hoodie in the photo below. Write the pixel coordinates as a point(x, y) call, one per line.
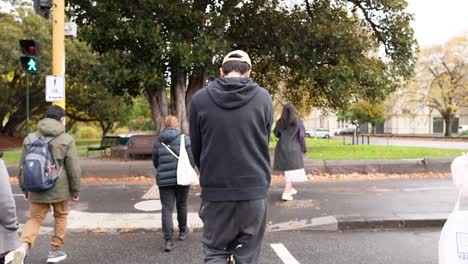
point(230, 124)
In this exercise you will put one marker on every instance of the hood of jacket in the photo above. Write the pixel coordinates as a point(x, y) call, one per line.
point(232, 92)
point(50, 127)
point(168, 135)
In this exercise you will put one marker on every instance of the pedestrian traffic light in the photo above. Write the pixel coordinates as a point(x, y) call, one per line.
point(30, 62)
point(42, 7)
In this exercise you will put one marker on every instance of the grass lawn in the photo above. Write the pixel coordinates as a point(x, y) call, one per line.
point(319, 149)
point(322, 149)
point(13, 156)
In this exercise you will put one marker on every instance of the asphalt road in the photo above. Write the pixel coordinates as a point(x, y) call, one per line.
point(376, 247)
point(383, 198)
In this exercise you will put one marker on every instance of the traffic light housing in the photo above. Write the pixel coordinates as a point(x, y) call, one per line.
point(30, 61)
point(42, 7)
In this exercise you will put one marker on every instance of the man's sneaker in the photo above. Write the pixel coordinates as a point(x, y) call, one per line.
point(19, 254)
point(56, 256)
point(169, 245)
point(184, 234)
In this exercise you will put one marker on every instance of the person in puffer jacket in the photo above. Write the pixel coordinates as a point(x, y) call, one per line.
point(166, 179)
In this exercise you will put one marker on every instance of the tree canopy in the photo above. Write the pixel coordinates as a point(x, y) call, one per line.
point(324, 51)
point(441, 80)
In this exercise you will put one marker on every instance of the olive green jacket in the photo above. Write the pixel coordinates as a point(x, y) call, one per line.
point(65, 156)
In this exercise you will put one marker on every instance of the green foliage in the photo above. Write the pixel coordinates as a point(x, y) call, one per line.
point(87, 98)
point(363, 112)
point(88, 132)
point(23, 25)
point(319, 53)
point(140, 115)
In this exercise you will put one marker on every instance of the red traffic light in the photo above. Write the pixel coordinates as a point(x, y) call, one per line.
point(29, 47)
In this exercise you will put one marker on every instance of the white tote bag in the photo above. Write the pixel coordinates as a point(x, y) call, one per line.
point(453, 243)
point(186, 175)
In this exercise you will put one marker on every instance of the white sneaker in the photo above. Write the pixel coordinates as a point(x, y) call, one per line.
point(293, 191)
point(19, 254)
point(9, 257)
point(287, 197)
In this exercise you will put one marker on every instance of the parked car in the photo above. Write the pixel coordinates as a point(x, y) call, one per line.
point(347, 131)
point(319, 133)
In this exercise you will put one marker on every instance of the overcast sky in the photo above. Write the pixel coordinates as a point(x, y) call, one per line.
point(436, 21)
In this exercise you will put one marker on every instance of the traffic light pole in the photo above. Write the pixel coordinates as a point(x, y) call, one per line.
point(58, 42)
point(27, 105)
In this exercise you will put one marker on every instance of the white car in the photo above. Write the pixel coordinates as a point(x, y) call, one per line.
point(319, 133)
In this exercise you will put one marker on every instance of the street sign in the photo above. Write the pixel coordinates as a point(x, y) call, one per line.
point(71, 29)
point(55, 88)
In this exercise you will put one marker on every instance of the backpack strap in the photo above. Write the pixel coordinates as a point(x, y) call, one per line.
point(49, 139)
point(33, 137)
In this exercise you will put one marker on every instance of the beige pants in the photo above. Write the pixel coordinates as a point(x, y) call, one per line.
point(37, 214)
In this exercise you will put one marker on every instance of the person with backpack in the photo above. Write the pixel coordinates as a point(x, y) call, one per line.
point(166, 153)
point(230, 125)
point(289, 150)
point(9, 239)
point(49, 176)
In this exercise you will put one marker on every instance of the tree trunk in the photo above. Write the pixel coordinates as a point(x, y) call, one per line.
point(196, 82)
point(162, 100)
point(448, 118)
point(105, 127)
point(178, 91)
point(155, 108)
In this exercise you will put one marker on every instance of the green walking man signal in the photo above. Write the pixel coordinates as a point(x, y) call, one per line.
point(32, 65)
point(30, 62)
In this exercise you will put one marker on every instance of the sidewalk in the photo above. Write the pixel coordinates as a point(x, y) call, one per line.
point(330, 206)
point(120, 168)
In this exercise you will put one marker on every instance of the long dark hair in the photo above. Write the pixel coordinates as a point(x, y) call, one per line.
point(288, 117)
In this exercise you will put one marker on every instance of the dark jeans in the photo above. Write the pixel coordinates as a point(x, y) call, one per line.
point(233, 228)
point(169, 195)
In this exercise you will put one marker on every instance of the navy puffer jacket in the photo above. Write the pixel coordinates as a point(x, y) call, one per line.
point(164, 162)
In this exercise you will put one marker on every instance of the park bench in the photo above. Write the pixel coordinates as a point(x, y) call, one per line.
point(140, 145)
point(106, 143)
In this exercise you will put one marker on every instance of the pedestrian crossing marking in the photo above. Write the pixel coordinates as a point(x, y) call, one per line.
point(283, 254)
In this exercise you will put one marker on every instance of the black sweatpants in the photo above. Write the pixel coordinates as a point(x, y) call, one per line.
point(233, 228)
point(169, 196)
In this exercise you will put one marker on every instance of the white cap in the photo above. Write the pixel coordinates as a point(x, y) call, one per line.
point(241, 56)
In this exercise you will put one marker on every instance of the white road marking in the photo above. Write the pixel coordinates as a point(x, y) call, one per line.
point(149, 205)
point(111, 221)
point(428, 189)
point(18, 194)
point(283, 254)
point(152, 193)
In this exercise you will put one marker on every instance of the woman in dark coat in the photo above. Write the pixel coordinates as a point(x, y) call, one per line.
point(166, 179)
point(289, 150)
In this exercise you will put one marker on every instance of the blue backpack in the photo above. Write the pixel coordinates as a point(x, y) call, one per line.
point(39, 172)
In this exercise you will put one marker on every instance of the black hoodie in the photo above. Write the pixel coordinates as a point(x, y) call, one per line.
point(230, 124)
